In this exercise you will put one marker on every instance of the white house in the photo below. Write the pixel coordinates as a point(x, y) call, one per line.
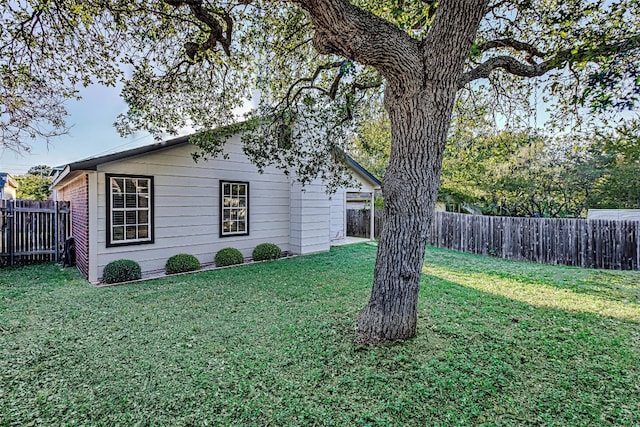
point(615, 214)
point(149, 203)
point(8, 186)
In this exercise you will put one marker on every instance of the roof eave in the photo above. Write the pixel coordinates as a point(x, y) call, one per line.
point(11, 181)
point(60, 177)
point(91, 164)
point(377, 184)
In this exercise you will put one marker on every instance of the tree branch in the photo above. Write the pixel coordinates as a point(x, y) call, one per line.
point(507, 63)
point(531, 50)
point(346, 30)
point(216, 33)
point(311, 80)
point(559, 60)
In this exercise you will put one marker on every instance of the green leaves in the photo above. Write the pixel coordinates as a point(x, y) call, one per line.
point(412, 16)
point(35, 184)
point(195, 66)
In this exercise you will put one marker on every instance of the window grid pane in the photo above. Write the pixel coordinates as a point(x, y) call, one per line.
point(130, 211)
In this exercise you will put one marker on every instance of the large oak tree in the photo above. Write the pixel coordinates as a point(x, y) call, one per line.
point(190, 62)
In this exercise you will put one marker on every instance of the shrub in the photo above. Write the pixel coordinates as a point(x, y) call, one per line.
point(122, 270)
point(181, 263)
point(266, 251)
point(228, 256)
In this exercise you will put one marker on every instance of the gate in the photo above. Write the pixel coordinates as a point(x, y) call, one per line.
point(33, 231)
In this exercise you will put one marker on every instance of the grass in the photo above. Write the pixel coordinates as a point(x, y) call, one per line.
point(499, 343)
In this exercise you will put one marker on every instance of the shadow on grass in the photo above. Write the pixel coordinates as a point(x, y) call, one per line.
point(540, 294)
point(618, 288)
point(537, 361)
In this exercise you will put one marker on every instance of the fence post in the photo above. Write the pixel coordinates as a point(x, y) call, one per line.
point(55, 231)
point(11, 237)
point(638, 245)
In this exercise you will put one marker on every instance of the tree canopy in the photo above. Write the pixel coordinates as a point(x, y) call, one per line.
point(191, 62)
point(34, 185)
point(316, 63)
point(40, 170)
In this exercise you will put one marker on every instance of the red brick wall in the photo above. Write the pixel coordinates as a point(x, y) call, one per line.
point(77, 193)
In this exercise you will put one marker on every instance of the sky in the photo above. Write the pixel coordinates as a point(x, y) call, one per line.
point(92, 133)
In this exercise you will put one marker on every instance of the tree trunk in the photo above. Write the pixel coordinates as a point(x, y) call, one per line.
point(420, 103)
point(419, 126)
point(422, 78)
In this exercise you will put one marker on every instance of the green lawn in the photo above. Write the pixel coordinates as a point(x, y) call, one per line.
point(499, 343)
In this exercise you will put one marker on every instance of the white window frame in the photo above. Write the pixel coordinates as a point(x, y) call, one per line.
point(113, 208)
point(234, 208)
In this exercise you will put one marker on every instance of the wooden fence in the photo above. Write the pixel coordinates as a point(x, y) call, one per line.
point(607, 244)
point(32, 231)
point(358, 223)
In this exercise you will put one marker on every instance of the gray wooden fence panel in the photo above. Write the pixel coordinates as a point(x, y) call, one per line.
point(604, 244)
point(608, 244)
point(358, 221)
point(33, 231)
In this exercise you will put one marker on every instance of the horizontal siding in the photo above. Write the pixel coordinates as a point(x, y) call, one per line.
point(316, 241)
point(315, 244)
point(337, 215)
point(185, 221)
point(311, 223)
point(203, 215)
point(317, 229)
point(316, 232)
point(315, 213)
point(310, 218)
point(189, 175)
point(268, 194)
point(364, 185)
point(186, 201)
point(194, 232)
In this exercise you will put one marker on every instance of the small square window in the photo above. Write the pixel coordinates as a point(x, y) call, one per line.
point(118, 218)
point(117, 186)
point(130, 186)
point(131, 233)
point(131, 201)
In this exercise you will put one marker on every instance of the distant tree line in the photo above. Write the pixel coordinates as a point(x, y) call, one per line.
point(524, 173)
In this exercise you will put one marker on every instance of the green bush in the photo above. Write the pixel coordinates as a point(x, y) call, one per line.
point(122, 270)
point(228, 256)
point(181, 263)
point(266, 251)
